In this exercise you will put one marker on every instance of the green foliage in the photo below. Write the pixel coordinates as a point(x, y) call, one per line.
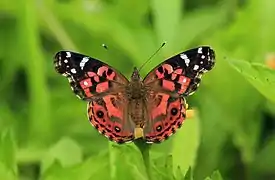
point(260, 76)
point(44, 130)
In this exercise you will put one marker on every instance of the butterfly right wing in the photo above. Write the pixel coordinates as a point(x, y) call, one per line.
point(181, 74)
point(104, 88)
point(168, 84)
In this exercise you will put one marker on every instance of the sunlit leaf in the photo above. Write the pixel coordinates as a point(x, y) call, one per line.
point(260, 76)
point(66, 151)
point(185, 144)
point(7, 153)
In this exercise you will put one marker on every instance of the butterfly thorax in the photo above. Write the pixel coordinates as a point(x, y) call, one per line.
point(136, 94)
point(135, 89)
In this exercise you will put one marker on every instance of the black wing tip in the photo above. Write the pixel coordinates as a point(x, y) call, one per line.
point(210, 53)
point(58, 58)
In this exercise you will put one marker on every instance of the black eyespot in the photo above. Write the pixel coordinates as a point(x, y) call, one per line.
point(166, 124)
point(174, 111)
point(160, 69)
point(159, 128)
point(100, 114)
point(117, 129)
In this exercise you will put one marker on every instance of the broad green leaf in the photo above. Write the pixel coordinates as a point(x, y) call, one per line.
point(95, 167)
point(185, 144)
point(260, 76)
point(66, 151)
point(126, 162)
point(166, 20)
point(7, 152)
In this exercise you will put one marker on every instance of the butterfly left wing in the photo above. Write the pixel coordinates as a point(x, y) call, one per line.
point(104, 88)
point(167, 85)
point(88, 76)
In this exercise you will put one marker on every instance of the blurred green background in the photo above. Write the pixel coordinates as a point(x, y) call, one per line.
point(44, 129)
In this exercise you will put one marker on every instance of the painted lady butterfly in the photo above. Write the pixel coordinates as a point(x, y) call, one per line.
point(155, 106)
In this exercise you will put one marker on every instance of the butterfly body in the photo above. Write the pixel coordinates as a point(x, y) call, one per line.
point(117, 107)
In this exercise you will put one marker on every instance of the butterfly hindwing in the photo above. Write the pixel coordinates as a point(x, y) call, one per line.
point(166, 115)
point(109, 116)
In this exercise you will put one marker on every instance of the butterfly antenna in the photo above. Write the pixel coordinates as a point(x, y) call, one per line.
point(152, 56)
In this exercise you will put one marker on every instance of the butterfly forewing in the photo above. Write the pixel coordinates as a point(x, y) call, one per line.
point(104, 88)
point(88, 76)
point(182, 73)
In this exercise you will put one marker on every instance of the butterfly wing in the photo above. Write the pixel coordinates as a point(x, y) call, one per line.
point(166, 114)
point(168, 84)
point(182, 73)
point(104, 88)
point(88, 77)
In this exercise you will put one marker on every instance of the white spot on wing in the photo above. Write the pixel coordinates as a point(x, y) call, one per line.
point(185, 58)
point(200, 50)
point(83, 62)
point(196, 67)
point(187, 61)
point(184, 80)
point(65, 61)
point(73, 70)
point(202, 56)
point(85, 83)
point(68, 54)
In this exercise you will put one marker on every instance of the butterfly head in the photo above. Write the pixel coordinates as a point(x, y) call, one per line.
point(135, 76)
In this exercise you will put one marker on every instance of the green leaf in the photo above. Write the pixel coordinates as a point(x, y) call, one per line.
point(166, 20)
point(188, 175)
point(5, 173)
point(264, 161)
point(7, 152)
point(216, 176)
point(185, 144)
point(126, 162)
point(260, 76)
point(66, 151)
point(95, 167)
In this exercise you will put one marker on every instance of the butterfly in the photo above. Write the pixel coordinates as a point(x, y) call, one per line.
point(120, 108)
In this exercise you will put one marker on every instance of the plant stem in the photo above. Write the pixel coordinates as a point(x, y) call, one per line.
point(144, 149)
